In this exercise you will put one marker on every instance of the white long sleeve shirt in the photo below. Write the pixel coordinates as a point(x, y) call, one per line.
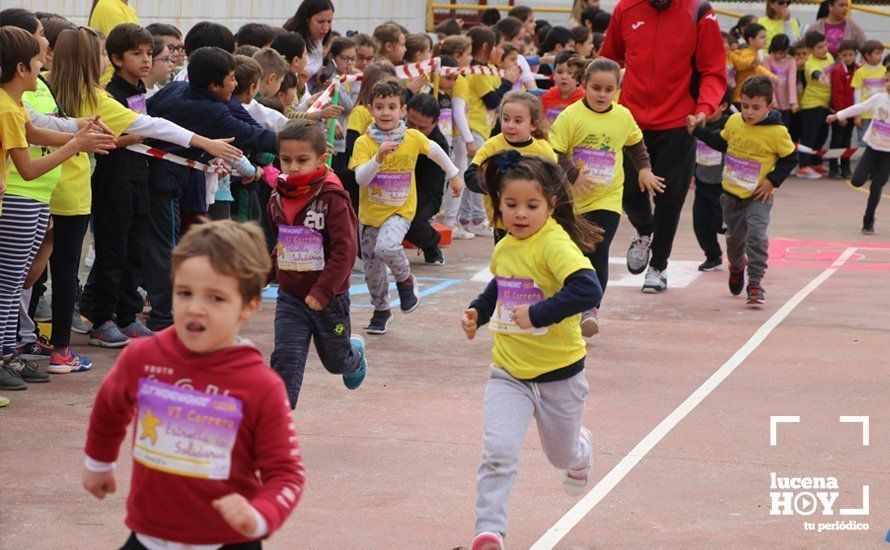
point(878, 135)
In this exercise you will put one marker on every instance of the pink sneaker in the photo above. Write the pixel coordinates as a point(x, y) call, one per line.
point(575, 480)
point(487, 540)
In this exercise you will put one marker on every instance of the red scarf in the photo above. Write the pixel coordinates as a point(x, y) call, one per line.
point(296, 191)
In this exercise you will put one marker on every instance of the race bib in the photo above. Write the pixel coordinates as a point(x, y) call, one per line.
point(782, 74)
point(705, 156)
point(512, 292)
point(880, 135)
point(137, 103)
point(300, 248)
point(185, 432)
point(491, 117)
point(446, 123)
point(599, 164)
point(741, 172)
point(872, 86)
point(390, 188)
point(553, 113)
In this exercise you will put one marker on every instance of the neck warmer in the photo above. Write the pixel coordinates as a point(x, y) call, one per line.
point(397, 134)
point(297, 191)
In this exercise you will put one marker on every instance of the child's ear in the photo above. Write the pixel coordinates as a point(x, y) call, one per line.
point(250, 308)
point(404, 109)
point(322, 160)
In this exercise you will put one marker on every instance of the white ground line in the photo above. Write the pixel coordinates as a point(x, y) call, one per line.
point(605, 485)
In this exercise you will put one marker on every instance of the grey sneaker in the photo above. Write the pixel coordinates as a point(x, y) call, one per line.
point(78, 324)
point(590, 324)
point(136, 329)
point(107, 335)
point(44, 313)
point(656, 282)
point(638, 254)
point(10, 379)
point(27, 370)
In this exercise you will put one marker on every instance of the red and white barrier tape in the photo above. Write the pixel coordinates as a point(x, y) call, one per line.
point(829, 154)
point(212, 171)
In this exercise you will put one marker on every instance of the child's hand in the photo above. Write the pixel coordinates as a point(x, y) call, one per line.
point(842, 123)
point(695, 120)
point(469, 323)
point(522, 317)
point(91, 140)
point(471, 150)
point(457, 185)
point(237, 512)
point(338, 130)
point(830, 119)
point(386, 148)
point(795, 107)
point(857, 121)
point(98, 125)
point(513, 73)
point(313, 304)
point(98, 484)
point(584, 180)
point(764, 190)
point(331, 111)
point(824, 79)
point(416, 84)
point(650, 182)
point(221, 148)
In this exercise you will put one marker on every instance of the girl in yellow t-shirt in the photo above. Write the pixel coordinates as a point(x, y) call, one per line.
point(521, 129)
point(542, 282)
point(590, 136)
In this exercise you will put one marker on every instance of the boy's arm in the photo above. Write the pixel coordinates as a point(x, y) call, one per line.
point(459, 114)
point(57, 124)
point(568, 166)
point(440, 157)
point(580, 292)
point(279, 460)
point(341, 227)
point(45, 137)
point(471, 179)
point(366, 172)
point(784, 164)
point(112, 412)
point(859, 108)
point(711, 137)
point(485, 303)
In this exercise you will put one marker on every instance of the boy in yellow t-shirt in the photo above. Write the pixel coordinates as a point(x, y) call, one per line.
point(868, 80)
point(384, 160)
point(759, 157)
point(814, 104)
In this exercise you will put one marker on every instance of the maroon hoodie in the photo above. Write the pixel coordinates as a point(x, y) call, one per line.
point(318, 244)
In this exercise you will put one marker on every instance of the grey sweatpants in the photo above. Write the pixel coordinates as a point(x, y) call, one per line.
point(747, 221)
point(382, 247)
point(472, 207)
point(510, 404)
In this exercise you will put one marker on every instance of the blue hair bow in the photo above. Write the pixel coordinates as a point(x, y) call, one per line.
point(508, 160)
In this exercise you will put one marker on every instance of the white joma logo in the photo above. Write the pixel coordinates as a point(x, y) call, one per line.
point(637, 25)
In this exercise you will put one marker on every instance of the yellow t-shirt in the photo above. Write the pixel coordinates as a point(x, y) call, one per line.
point(529, 271)
point(596, 141)
point(871, 81)
point(751, 153)
point(481, 118)
point(359, 119)
point(537, 147)
point(742, 61)
point(107, 15)
point(13, 117)
point(816, 94)
point(73, 195)
point(777, 26)
point(393, 191)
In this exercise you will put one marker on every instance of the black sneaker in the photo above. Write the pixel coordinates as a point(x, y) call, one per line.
point(711, 265)
point(737, 279)
point(10, 379)
point(409, 297)
point(756, 294)
point(433, 256)
point(868, 225)
point(379, 321)
point(26, 369)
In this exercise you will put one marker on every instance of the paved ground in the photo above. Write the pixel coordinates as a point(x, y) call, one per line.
point(393, 464)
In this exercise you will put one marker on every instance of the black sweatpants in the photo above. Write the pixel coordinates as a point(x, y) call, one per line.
point(134, 544)
point(421, 234)
point(813, 133)
point(68, 234)
point(608, 221)
point(707, 218)
point(163, 234)
point(874, 165)
point(841, 137)
point(120, 219)
point(672, 153)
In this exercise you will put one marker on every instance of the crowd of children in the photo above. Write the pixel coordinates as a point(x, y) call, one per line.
point(526, 114)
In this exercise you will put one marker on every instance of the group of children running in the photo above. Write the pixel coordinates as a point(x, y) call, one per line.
point(217, 462)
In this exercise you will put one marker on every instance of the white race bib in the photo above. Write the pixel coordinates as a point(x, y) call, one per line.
point(390, 188)
point(300, 248)
point(512, 292)
point(743, 173)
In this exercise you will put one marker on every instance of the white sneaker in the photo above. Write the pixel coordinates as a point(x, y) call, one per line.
point(460, 234)
point(480, 229)
point(487, 540)
point(656, 282)
point(590, 324)
point(638, 254)
point(575, 480)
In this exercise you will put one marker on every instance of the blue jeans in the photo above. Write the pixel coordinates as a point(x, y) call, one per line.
point(296, 324)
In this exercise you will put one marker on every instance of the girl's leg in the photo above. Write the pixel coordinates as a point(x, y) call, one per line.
point(559, 412)
point(68, 234)
point(509, 407)
point(18, 233)
point(450, 203)
point(878, 179)
point(608, 221)
point(864, 168)
point(374, 268)
point(389, 249)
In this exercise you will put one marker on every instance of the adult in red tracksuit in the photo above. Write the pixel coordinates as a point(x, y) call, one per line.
point(675, 66)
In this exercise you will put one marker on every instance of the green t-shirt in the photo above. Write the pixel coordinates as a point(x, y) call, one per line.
point(39, 189)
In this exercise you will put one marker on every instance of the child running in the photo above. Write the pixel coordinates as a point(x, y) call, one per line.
point(759, 157)
point(590, 137)
point(384, 160)
point(542, 282)
point(198, 391)
point(315, 225)
point(875, 162)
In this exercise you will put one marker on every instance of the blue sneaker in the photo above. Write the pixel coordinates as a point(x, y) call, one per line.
point(67, 360)
point(353, 380)
point(108, 335)
point(37, 351)
point(136, 329)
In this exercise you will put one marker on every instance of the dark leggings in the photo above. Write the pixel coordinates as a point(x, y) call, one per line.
point(68, 233)
point(134, 544)
point(608, 221)
point(875, 165)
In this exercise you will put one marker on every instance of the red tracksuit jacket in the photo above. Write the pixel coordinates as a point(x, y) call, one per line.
point(659, 50)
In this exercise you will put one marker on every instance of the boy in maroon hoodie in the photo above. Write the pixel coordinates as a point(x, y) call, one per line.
point(842, 96)
point(317, 233)
point(215, 452)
